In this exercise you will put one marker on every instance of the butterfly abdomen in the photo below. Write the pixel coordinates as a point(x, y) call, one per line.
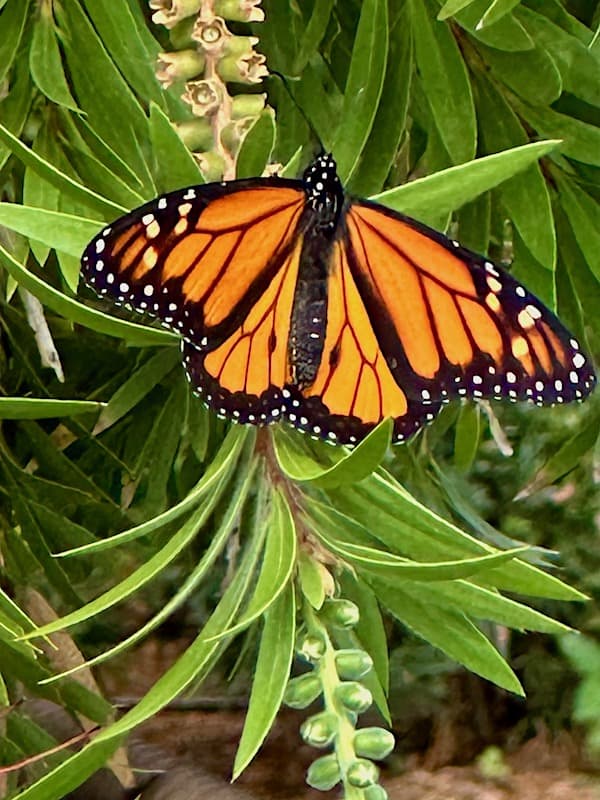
point(309, 312)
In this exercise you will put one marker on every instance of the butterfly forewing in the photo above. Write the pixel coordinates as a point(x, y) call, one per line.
point(199, 258)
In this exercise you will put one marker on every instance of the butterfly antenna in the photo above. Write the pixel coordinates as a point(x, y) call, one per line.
point(285, 81)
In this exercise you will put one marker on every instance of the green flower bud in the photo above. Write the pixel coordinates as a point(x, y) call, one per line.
point(239, 10)
point(320, 730)
point(373, 743)
point(170, 12)
point(362, 773)
point(247, 105)
point(324, 773)
point(354, 696)
point(376, 792)
point(302, 691)
point(249, 68)
point(178, 66)
point(353, 664)
point(312, 648)
point(341, 613)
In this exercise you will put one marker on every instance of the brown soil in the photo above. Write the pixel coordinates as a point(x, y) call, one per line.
point(204, 742)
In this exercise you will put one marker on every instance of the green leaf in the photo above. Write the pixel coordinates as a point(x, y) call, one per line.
point(60, 781)
point(532, 74)
point(524, 196)
point(45, 61)
point(112, 108)
point(134, 53)
point(506, 34)
point(257, 146)
point(566, 458)
point(57, 178)
point(270, 677)
point(135, 388)
point(311, 579)
point(61, 231)
point(581, 140)
point(390, 565)
point(497, 9)
point(363, 88)
point(313, 34)
point(388, 127)
point(34, 408)
point(576, 62)
point(451, 188)
point(12, 22)
point(370, 629)
point(134, 334)
point(445, 77)
point(451, 632)
point(451, 7)
point(467, 436)
point(140, 576)
point(176, 166)
point(201, 654)
point(277, 566)
point(220, 469)
point(582, 212)
point(487, 604)
point(15, 106)
point(348, 469)
point(194, 662)
point(190, 584)
point(403, 525)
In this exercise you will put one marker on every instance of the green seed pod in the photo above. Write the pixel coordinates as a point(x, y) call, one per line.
point(302, 691)
point(341, 613)
point(353, 664)
point(376, 792)
point(362, 773)
point(310, 647)
point(373, 743)
point(354, 696)
point(324, 773)
point(320, 730)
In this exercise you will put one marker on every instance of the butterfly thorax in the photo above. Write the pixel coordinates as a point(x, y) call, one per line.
point(324, 194)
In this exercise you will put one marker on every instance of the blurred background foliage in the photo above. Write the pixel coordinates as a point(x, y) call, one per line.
point(100, 435)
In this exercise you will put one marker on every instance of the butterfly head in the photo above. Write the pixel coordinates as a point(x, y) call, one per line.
point(324, 193)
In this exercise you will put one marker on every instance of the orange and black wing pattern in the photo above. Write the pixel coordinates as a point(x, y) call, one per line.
point(217, 264)
point(297, 303)
point(453, 324)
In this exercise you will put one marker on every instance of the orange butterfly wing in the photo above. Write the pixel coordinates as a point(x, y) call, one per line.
point(296, 303)
point(451, 323)
point(198, 259)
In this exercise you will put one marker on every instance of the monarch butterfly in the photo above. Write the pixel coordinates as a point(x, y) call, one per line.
point(297, 302)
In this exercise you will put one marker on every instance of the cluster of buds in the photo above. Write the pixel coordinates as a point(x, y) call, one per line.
point(206, 57)
point(336, 678)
